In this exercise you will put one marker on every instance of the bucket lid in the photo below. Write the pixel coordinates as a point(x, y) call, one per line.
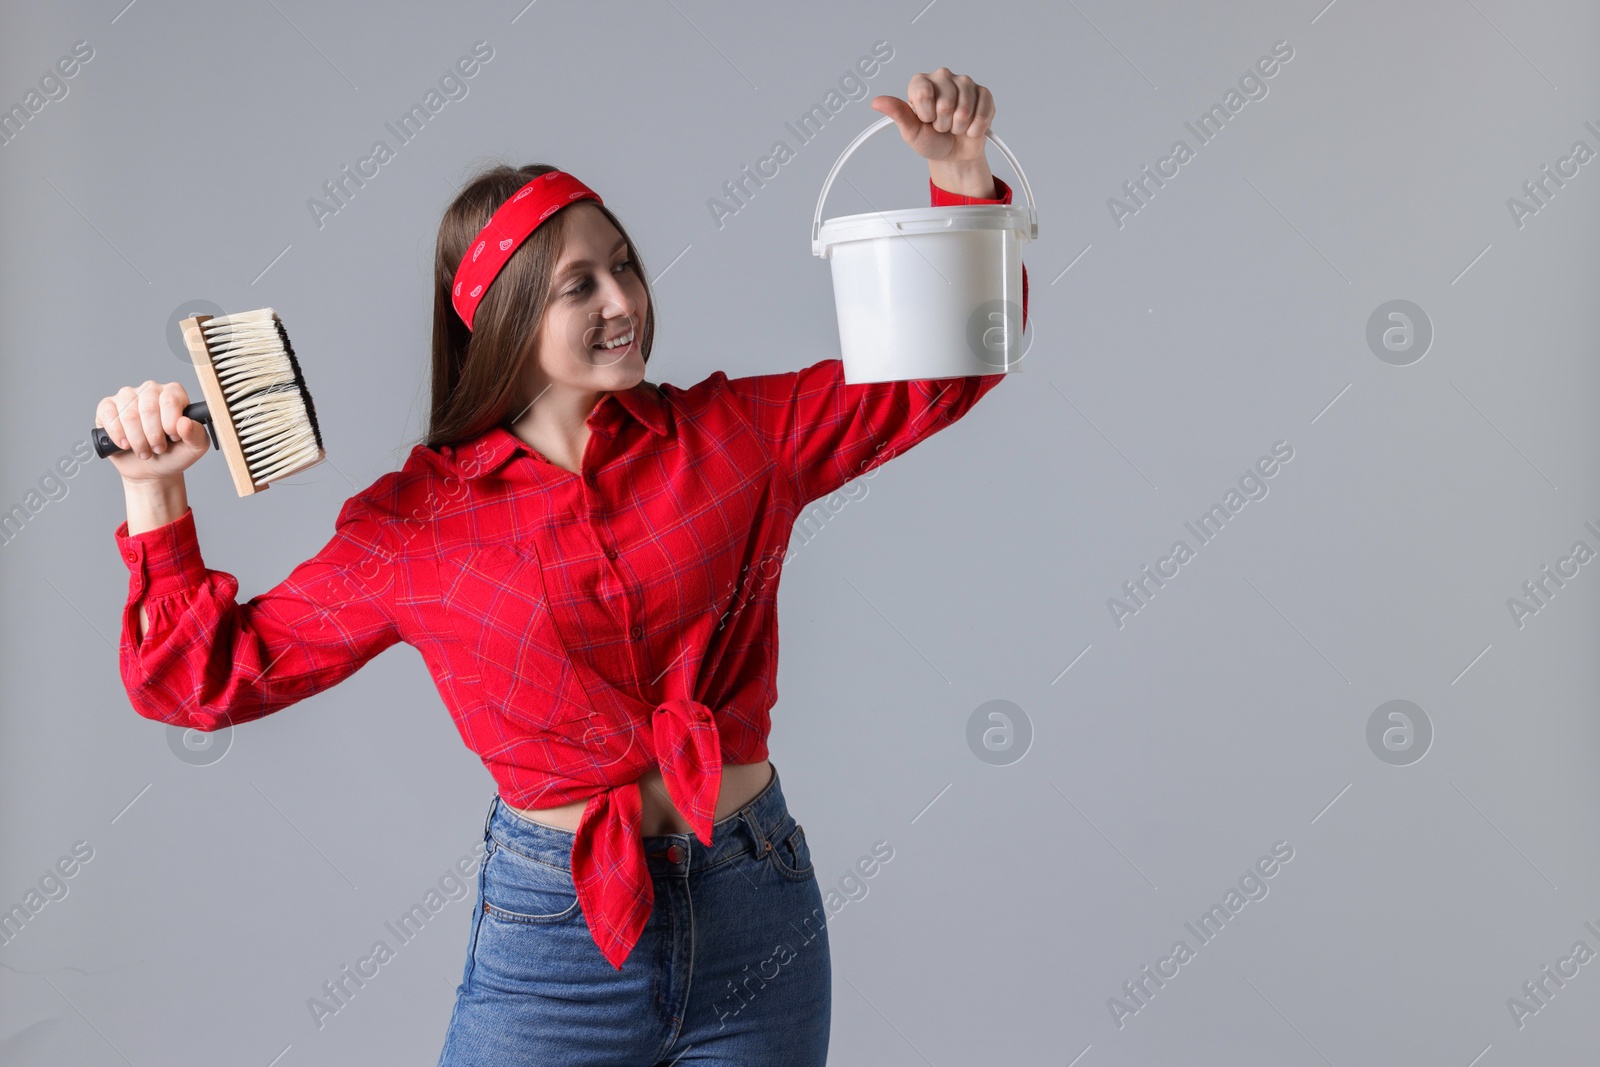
point(906, 222)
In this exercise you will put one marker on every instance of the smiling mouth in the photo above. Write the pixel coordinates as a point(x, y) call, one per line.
point(616, 344)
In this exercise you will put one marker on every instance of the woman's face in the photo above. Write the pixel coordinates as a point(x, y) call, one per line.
point(598, 296)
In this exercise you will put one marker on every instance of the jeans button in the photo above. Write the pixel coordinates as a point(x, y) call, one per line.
point(674, 854)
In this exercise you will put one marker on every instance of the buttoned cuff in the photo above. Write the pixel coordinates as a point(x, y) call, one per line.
point(162, 561)
point(945, 198)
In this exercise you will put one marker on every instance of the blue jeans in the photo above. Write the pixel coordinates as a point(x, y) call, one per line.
point(732, 968)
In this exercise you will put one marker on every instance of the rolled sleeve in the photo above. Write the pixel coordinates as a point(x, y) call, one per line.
point(162, 561)
point(941, 197)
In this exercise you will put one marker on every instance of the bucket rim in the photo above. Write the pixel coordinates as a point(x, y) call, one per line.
point(914, 221)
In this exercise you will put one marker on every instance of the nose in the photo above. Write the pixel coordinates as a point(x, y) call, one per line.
point(618, 302)
point(617, 305)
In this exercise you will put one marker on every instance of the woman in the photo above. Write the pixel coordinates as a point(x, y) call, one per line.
point(588, 565)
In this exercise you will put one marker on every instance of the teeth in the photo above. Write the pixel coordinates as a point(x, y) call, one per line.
point(619, 342)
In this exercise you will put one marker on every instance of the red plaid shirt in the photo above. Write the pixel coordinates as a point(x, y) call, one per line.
point(580, 629)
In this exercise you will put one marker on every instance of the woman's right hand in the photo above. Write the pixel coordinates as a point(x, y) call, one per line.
point(142, 419)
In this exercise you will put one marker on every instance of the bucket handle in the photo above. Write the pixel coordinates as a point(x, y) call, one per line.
point(816, 221)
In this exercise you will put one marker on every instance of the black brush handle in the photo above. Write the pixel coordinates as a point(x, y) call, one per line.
point(104, 446)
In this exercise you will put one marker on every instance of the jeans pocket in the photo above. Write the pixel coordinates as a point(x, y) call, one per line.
point(789, 854)
point(521, 889)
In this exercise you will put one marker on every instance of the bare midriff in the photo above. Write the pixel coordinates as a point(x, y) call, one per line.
point(741, 783)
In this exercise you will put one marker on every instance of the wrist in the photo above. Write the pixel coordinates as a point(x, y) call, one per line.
point(969, 177)
point(154, 502)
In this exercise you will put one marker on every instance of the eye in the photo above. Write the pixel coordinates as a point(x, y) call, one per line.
point(582, 287)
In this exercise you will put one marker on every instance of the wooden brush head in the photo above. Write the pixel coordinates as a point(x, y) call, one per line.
point(265, 425)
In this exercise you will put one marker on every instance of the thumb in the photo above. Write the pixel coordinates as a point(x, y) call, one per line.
point(905, 119)
point(193, 434)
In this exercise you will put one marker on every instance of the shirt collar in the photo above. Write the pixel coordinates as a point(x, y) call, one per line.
point(492, 449)
point(645, 403)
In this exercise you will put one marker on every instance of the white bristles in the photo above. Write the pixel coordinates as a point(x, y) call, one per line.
point(265, 394)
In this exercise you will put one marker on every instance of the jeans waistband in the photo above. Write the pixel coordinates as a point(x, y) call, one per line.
point(752, 828)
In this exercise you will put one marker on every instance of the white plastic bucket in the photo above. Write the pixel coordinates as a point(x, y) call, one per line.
point(928, 292)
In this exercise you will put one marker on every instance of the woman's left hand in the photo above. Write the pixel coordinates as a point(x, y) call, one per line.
point(945, 118)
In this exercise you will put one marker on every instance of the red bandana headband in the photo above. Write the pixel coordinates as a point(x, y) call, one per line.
point(505, 231)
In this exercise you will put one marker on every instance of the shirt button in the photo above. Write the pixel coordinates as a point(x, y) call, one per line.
point(133, 557)
point(674, 854)
point(611, 553)
point(636, 631)
point(588, 477)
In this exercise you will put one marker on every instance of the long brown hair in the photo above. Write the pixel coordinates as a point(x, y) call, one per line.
point(479, 374)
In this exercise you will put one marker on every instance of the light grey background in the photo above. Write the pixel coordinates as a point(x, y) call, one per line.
point(1230, 713)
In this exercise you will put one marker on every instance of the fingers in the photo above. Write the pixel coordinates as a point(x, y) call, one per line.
point(171, 400)
point(983, 115)
point(150, 417)
point(966, 104)
point(951, 103)
point(920, 94)
point(133, 437)
point(106, 416)
point(143, 419)
point(946, 96)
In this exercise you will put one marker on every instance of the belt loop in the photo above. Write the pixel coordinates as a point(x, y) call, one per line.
point(490, 816)
point(762, 845)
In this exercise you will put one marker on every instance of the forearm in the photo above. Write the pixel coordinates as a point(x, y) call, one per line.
point(969, 178)
point(151, 505)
